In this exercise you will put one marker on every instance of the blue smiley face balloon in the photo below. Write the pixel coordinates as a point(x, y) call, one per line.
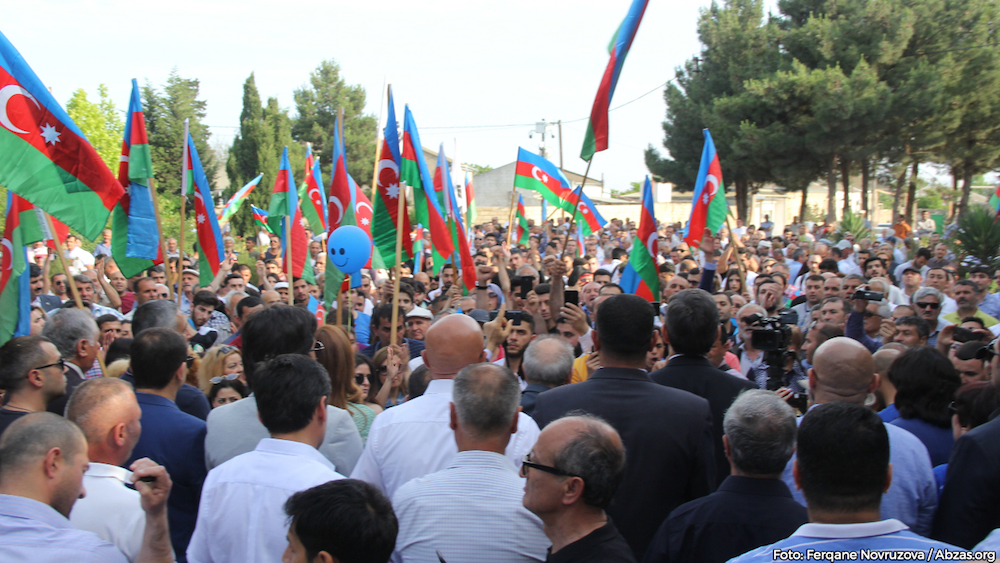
point(349, 249)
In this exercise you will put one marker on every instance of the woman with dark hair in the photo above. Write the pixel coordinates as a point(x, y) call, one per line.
point(974, 403)
point(334, 353)
point(925, 382)
point(363, 370)
point(226, 391)
point(734, 282)
point(388, 380)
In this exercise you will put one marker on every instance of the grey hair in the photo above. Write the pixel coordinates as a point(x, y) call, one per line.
point(159, 313)
point(548, 360)
point(760, 428)
point(67, 327)
point(486, 398)
point(528, 270)
point(229, 299)
point(854, 277)
point(597, 456)
point(884, 310)
point(924, 292)
point(32, 436)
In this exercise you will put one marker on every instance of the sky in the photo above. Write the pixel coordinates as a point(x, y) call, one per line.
point(462, 66)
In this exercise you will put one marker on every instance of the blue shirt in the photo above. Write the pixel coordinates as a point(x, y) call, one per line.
point(888, 414)
point(33, 531)
point(856, 329)
point(938, 440)
point(175, 440)
point(913, 496)
point(889, 534)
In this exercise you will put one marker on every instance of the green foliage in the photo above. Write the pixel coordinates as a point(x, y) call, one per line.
point(100, 122)
point(478, 168)
point(977, 237)
point(253, 152)
point(165, 113)
point(854, 224)
point(634, 187)
point(317, 104)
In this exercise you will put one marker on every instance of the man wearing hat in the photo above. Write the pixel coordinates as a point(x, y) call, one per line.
point(418, 320)
point(189, 284)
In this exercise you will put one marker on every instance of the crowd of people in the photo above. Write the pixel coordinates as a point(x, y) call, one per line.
point(789, 391)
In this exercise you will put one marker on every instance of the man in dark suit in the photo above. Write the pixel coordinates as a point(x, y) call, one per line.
point(172, 438)
point(692, 326)
point(667, 432)
point(969, 508)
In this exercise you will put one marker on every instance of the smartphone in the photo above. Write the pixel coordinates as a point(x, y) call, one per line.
point(964, 335)
point(514, 317)
point(799, 401)
point(571, 296)
point(527, 284)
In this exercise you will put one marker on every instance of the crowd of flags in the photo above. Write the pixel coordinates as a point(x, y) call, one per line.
point(50, 168)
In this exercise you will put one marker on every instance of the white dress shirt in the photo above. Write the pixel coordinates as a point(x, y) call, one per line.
point(241, 516)
point(414, 439)
point(110, 509)
point(471, 511)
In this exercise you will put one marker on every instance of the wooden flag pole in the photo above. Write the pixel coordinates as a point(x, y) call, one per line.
point(576, 208)
point(70, 281)
point(184, 188)
point(400, 210)
point(163, 245)
point(288, 259)
point(513, 212)
point(378, 141)
point(736, 250)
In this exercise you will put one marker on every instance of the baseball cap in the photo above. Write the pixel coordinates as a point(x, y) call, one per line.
point(281, 285)
point(422, 313)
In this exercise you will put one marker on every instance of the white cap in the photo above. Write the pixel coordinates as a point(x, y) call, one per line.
point(420, 312)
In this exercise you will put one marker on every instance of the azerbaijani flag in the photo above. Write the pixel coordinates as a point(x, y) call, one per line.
point(312, 190)
point(44, 157)
point(995, 203)
point(135, 242)
point(413, 172)
point(15, 275)
point(234, 203)
point(521, 220)
point(470, 200)
point(442, 182)
point(260, 216)
point(538, 174)
point(284, 202)
point(708, 205)
point(640, 275)
point(386, 211)
point(211, 251)
point(343, 198)
point(596, 139)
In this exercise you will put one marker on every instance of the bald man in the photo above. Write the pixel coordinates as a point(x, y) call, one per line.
point(843, 370)
point(413, 439)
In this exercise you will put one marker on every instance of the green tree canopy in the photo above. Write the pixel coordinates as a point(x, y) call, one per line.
point(100, 122)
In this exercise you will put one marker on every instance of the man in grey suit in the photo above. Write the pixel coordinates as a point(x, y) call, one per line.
point(234, 429)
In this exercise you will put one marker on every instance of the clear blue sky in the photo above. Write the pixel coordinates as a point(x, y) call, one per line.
point(456, 63)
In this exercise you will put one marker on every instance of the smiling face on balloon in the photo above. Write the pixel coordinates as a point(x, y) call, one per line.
point(349, 249)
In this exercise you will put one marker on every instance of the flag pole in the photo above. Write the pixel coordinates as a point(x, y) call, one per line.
point(288, 258)
point(163, 245)
point(329, 226)
point(400, 210)
point(69, 277)
point(386, 88)
point(184, 189)
point(576, 207)
point(513, 210)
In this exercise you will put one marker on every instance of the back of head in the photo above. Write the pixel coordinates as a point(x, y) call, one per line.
point(760, 428)
point(155, 355)
point(417, 383)
point(28, 439)
point(975, 402)
point(843, 458)
point(548, 361)
point(288, 390)
point(595, 454)
point(66, 327)
point(486, 398)
point(625, 327)
point(843, 369)
point(337, 357)
point(883, 358)
point(692, 322)
point(925, 382)
point(452, 343)
point(95, 405)
point(275, 331)
point(18, 356)
point(350, 520)
point(159, 313)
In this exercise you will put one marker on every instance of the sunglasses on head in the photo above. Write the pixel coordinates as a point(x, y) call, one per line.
point(229, 377)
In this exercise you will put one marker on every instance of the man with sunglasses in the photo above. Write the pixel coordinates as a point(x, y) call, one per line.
point(171, 437)
point(32, 372)
point(927, 302)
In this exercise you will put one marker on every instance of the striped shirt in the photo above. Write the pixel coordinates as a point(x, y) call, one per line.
point(33, 531)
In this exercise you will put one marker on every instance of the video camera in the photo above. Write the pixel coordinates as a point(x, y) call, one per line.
point(772, 333)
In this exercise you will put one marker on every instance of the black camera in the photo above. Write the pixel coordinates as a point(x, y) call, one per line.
point(868, 295)
point(770, 333)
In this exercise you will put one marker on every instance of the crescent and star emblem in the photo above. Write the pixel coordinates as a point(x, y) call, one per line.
point(6, 93)
point(537, 174)
point(340, 208)
point(653, 243)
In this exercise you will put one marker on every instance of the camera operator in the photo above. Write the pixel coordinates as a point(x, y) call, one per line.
point(870, 320)
point(771, 339)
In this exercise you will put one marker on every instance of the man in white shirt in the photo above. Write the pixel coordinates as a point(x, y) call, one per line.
point(106, 410)
point(847, 264)
point(241, 515)
point(79, 259)
point(413, 439)
point(474, 506)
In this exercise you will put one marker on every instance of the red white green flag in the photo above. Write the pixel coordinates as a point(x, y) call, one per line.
point(386, 199)
point(521, 221)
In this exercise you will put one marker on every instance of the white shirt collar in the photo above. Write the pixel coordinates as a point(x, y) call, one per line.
point(440, 386)
point(842, 531)
point(290, 448)
point(112, 471)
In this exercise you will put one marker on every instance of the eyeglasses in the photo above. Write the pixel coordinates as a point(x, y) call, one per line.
point(60, 282)
point(526, 463)
point(226, 350)
point(359, 378)
point(952, 408)
point(61, 363)
point(189, 360)
point(221, 378)
point(318, 346)
point(926, 305)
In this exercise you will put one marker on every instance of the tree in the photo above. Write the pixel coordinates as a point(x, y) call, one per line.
point(253, 152)
point(100, 122)
point(316, 105)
